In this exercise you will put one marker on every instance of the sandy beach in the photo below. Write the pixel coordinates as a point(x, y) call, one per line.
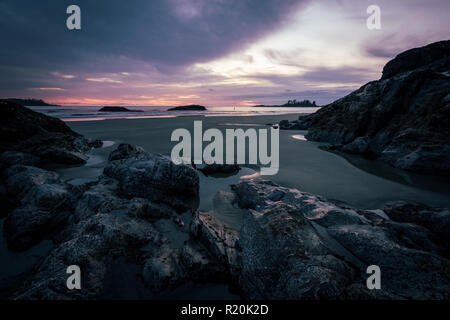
point(353, 180)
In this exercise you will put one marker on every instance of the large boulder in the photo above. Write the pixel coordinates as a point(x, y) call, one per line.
point(401, 118)
point(153, 177)
point(48, 139)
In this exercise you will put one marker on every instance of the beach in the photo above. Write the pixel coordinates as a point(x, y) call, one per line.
point(352, 180)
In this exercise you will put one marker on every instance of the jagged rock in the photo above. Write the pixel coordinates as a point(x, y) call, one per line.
point(407, 273)
point(401, 119)
point(20, 179)
point(47, 138)
point(301, 246)
point(93, 245)
point(154, 177)
point(359, 146)
point(10, 158)
point(124, 151)
point(43, 203)
point(219, 239)
point(283, 257)
point(247, 195)
point(435, 53)
point(435, 219)
point(100, 197)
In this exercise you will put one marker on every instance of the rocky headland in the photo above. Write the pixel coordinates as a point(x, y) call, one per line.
point(401, 119)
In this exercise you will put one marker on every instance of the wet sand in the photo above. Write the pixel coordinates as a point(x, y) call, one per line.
point(352, 180)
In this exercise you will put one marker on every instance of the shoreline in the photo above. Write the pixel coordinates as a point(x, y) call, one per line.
point(361, 184)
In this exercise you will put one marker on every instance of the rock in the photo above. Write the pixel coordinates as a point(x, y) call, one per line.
point(45, 138)
point(247, 195)
point(292, 125)
point(416, 58)
point(283, 257)
point(8, 203)
point(212, 169)
point(124, 151)
point(27, 226)
point(45, 208)
point(192, 107)
point(93, 245)
point(436, 220)
point(10, 158)
point(407, 273)
point(359, 146)
point(154, 177)
point(211, 253)
point(163, 272)
point(401, 119)
point(296, 245)
point(219, 239)
point(20, 179)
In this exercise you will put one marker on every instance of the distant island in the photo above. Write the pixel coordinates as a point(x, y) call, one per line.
point(30, 102)
point(117, 109)
point(192, 107)
point(293, 103)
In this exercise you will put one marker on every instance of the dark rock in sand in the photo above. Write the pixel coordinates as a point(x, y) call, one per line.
point(153, 177)
point(48, 139)
point(193, 107)
point(401, 119)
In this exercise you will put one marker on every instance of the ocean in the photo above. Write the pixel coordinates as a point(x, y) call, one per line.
point(91, 113)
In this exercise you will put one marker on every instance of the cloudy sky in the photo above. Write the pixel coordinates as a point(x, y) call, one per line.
point(210, 52)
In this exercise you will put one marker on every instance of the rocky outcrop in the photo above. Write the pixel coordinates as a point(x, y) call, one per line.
point(35, 138)
point(94, 224)
point(299, 246)
point(401, 119)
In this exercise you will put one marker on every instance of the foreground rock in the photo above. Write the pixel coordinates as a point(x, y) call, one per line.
point(401, 119)
point(36, 139)
point(299, 246)
point(100, 223)
point(153, 177)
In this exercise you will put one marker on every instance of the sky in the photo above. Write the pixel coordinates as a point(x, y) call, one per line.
point(208, 52)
